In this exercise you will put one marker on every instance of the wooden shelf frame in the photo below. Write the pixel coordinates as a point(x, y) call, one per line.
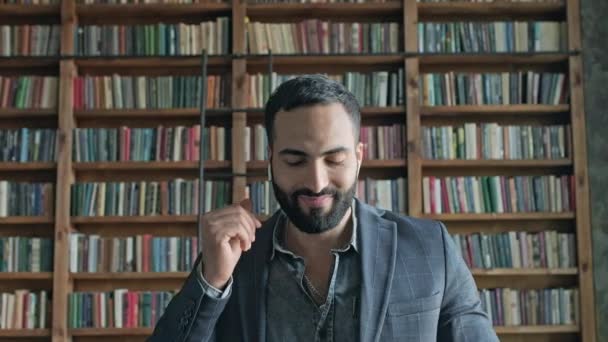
point(237, 64)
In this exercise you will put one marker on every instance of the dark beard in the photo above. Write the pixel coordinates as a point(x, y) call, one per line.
point(316, 222)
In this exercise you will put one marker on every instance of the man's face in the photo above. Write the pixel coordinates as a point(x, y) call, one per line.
point(315, 163)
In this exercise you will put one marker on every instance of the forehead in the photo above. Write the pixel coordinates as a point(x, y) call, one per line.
point(312, 128)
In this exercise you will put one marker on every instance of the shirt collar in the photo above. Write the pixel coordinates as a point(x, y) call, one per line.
point(281, 224)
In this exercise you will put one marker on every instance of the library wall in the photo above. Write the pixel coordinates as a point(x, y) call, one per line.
point(595, 58)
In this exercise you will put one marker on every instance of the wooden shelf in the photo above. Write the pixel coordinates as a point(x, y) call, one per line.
point(540, 329)
point(172, 113)
point(29, 11)
point(39, 64)
point(26, 220)
point(109, 276)
point(28, 166)
point(338, 11)
point(525, 272)
point(500, 217)
point(490, 11)
point(25, 333)
point(132, 166)
point(134, 219)
point(328, 60)
point(495, 163)
point(6, 276)
point(111, 331)
point(13, 113)
point(502, 59)
point(522, 110)
point(152, 62)
point(93, 12)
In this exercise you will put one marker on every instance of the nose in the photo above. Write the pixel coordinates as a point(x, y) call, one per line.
point(317, 177)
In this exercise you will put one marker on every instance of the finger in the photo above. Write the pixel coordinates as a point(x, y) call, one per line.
point(247, 205)
point(224, 219)
point(237, 231)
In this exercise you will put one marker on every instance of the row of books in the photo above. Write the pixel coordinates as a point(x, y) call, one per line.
point(29, 40)
point(159, 39)
point(141, 253)
point(26, 199)
point(120, 308)
point(24, 309)
point(493, 141)
point(314, 36)
point(523, 87)
point(498, 194)
point(547, 249)
point(383, 142)
point(374, 89)
point(147, 92)
point(513, 307)
point(390, 194)
point(175, 197)
point(380, 142)
point(177, 143)
point(263, 200)
point(28, 91)
point(256, 143)
point(28, 145)
point(141, 2)
point(475, 37)
point(26, 254)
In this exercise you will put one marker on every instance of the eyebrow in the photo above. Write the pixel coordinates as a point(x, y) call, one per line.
point(290, 151)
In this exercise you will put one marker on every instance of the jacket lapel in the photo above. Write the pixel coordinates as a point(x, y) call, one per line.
point(378, 241)
point(253, 278)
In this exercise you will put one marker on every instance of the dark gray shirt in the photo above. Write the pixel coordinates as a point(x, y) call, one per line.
point(292, 313)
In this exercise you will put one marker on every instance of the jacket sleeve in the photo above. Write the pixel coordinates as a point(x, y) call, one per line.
point(192, 313)
point(462, 317)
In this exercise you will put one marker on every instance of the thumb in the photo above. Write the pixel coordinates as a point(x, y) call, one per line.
point(246, 204)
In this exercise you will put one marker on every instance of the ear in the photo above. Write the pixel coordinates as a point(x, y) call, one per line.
point(359, 155)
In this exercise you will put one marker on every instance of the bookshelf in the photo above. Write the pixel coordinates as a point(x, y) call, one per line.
point(236, 115)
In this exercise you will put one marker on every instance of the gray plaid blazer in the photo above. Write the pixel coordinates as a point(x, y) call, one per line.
point(414, 287)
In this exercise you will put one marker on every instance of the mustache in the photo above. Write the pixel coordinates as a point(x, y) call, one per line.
point(308, 192)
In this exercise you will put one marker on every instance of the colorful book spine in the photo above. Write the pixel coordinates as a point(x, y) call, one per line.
point(29, 40)
point(474, 141)
point(491, 37)
point(498, 194)
point(154, 40)
point(26, 199)
point(388, 194)
point(175, 197)
point(314, 36)
point(518, 307)
point(141, 253)
point(147, 92)
point(26, 254)
point(28, 92)
point(547, 249)
point(24, 309)
point(120, 308)
point(169, 144)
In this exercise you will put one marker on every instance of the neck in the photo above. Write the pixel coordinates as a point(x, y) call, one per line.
point(318, 245)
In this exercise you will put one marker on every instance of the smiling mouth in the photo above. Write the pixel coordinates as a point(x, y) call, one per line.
point(315, 201)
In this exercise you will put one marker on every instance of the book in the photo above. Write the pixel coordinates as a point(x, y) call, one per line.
point(145, 40)
point(140, 253)
point(498, 194)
